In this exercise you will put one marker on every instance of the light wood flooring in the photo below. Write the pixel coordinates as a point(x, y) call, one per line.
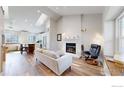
point(114, 70)
point(25, 65)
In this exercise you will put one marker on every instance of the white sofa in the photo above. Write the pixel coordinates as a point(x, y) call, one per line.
point(56, 63)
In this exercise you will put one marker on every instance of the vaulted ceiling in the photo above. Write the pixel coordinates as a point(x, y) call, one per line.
point(25, 17)
point(77, 10)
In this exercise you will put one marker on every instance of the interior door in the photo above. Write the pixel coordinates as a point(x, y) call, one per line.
point(1, 37)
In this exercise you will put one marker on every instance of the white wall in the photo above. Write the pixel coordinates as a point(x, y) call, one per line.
point(93, 24)
point(70, 26)
point(23, 37)
point(53, 35)
point(109, 38)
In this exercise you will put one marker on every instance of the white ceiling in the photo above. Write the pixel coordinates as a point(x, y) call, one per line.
point(22, 18)
point(76, 10)
point(112, 12)
point(25, 17)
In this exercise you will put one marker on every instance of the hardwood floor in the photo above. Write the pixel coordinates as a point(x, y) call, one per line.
point(25, 65)
point(114, 70)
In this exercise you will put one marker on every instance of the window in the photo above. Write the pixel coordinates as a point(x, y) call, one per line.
point(11, 38)
point(122, 26)
point(120, 33)
point(31, 38)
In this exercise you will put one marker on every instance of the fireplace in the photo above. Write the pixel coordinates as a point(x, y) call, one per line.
point(71, 48)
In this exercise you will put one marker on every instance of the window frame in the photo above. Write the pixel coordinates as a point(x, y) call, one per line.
point(119, 32)
point(31, 38)
point(10, 35)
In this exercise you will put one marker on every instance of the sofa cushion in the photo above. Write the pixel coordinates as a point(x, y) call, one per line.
point(60, 53)
point(51, 54)
point(40, 50)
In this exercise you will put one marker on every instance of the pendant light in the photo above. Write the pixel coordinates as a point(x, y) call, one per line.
point(82, 29)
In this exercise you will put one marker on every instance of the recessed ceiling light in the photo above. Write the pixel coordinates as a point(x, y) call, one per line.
point(38, 11)
point(26, 20)
point(57, 8)
point(14, 20)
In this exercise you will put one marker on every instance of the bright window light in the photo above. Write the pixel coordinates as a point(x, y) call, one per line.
point(41, 19)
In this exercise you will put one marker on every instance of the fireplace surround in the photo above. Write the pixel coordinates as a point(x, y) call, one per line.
point(71, 48)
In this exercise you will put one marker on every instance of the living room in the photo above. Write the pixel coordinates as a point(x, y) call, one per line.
point(66, 30)
point(52, 46)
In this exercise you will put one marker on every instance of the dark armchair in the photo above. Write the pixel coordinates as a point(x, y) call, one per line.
point(93, 53)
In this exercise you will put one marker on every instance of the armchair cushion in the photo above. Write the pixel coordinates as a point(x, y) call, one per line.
point(93, 52)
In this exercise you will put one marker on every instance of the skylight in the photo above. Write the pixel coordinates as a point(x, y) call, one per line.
point(43, 17)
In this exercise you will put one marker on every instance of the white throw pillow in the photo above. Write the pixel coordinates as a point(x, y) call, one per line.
point(40, 50)
point(51, 54)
